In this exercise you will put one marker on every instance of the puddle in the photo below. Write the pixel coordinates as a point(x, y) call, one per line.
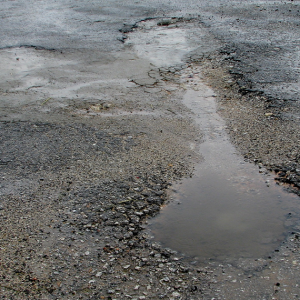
point(228, 209)
point(163, 46)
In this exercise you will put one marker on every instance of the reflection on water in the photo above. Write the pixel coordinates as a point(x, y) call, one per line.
point(228, 209)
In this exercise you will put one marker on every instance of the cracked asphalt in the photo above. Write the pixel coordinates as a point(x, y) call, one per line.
point(93, 132)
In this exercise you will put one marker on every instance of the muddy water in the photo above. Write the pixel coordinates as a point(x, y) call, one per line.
point(230, 208)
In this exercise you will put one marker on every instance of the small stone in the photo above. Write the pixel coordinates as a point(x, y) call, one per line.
point(87, 253)
point(136, 287)
point(175, 294)
point(128, 235)
point(138, 268)
point(184, 269)
point(96, 107)
point(126, 267)
point(99, 274)
point(165, 22)
point(106, 105)
point(111, 291)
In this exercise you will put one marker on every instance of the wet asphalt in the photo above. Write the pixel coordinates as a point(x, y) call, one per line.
point(91, 132)
point(261, 37)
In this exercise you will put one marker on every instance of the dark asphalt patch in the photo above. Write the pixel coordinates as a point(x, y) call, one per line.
point(31, 147)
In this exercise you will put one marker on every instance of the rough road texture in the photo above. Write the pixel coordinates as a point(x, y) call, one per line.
point(92, 135)
point(73, 201)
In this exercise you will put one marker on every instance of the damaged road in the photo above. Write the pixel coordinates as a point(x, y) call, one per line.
point(94, 132)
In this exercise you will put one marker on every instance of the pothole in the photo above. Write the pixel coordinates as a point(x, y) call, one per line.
point(162, 45)
point(230, 208)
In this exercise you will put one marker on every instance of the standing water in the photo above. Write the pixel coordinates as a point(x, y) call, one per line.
point(228, 209)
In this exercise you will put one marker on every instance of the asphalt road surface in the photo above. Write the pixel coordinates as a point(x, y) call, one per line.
point(93, 131)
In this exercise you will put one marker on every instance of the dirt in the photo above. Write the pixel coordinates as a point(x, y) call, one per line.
point(79, 178)
point(82, 171)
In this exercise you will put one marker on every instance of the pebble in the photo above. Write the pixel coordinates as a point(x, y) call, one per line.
point(126, 267)
point(107, 105)
point(99, 274)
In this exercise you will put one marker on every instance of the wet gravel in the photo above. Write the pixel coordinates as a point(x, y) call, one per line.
point(74, 201)
point(77, 188)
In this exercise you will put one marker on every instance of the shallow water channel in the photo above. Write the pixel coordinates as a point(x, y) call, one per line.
point(230, 208)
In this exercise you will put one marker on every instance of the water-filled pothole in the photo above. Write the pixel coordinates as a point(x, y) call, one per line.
point(229, 209)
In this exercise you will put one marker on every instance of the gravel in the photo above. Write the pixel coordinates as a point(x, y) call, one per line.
point(75, 197)
point(77, 190)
